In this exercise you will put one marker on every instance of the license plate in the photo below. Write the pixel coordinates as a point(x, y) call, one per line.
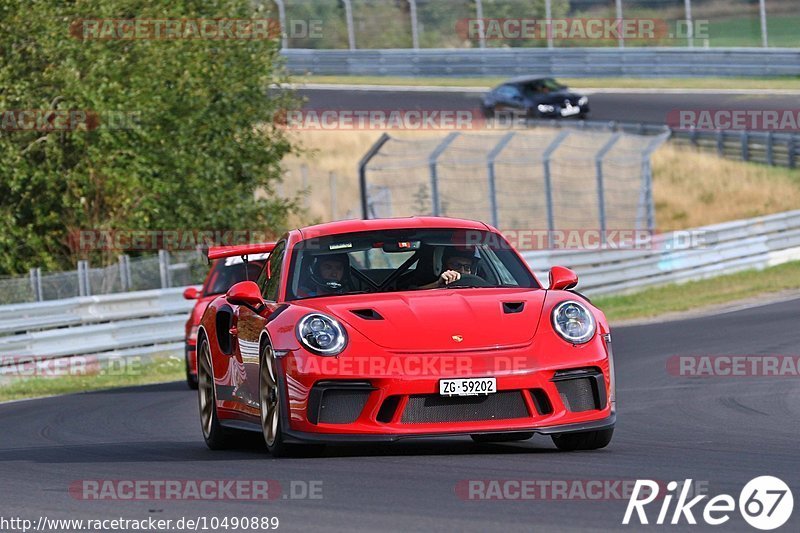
point(568, 111)
point(467, 387)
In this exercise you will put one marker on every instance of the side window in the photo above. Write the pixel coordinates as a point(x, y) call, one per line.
point(269, 287)
point(507, 92)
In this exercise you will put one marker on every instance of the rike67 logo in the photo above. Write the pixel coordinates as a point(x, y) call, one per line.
point(765, 503)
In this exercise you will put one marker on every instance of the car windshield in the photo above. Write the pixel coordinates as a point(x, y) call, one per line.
point(230, 270)
point(403, 260)
point(545, 85)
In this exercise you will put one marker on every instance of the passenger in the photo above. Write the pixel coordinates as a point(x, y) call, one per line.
point(455, 262)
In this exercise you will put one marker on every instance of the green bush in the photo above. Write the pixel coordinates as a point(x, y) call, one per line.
point(185, 131)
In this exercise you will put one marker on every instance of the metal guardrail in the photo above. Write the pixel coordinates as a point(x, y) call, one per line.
point(722, 249)
point(111, 325)
point(564, 62)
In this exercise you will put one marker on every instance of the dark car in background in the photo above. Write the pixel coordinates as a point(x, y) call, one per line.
point(227, 269)
point(534, 97)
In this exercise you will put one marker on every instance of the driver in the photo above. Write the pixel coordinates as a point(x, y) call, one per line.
point(455, 262)
point(329, 274)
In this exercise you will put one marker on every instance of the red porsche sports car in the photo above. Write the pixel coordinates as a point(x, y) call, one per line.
point(376, 330)
point(224, 272)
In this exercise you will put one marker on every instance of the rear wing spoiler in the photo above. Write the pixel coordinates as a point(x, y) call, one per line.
point(219, 252)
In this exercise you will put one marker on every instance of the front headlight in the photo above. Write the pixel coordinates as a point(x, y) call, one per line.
point(583, 100)
point(573, 322)
point(321, 334)
point(544, 108)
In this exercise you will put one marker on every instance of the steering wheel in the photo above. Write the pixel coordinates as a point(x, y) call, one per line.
point(469, 280)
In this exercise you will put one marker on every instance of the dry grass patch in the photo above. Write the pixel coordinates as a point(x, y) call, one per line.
point(693, 188)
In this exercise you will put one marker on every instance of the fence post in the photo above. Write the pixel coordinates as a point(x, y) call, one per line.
point(689, 23)
point(790, 150)
point(720, 143)
point(333, 195)
point(646, 191)
point(548, 17)
point(745, 146)
point(548, 185)
point(282, 20)
point(163, 269)
point(362, 172)
point(601, 191)
point(351, 34)
point(36, 284)
point(124, 272)
point(770, 159)
point(83, 278)
point(412, 8)
point(435, 200)
point(762, 12)
point(481, 27)
point(492, 183)
point(621, 41)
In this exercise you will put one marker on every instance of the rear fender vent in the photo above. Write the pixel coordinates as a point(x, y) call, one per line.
point(513, 307)
point(367, 314)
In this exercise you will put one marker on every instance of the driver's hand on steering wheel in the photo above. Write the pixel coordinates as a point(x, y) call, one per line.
point(448, 277)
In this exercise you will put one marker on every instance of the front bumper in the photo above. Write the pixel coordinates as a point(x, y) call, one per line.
point(532, 396)
point(300, 436)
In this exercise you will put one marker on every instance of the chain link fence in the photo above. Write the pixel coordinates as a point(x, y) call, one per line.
point(383, 24)
point(167, 269)
point(539, 178)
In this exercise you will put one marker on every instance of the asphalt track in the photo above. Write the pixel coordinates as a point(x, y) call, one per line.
point(723, 431)
point(650, 108)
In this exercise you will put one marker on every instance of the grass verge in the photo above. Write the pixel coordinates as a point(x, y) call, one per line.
point(699, 294)
point(161, 370)
point(779, 82)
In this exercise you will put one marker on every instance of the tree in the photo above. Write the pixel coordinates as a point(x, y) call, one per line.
point(178, 133)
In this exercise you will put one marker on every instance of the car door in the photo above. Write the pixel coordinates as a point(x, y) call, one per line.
point(250, 324)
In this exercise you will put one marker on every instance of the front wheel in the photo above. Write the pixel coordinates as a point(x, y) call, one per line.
point(271, 400)
point(584, 440)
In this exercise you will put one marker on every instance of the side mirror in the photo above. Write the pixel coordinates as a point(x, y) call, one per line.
point(245, 293)
point(191, 293)
point(562, 278)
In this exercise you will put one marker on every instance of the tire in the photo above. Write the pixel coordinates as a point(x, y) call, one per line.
point(585, 440)
point(216, 436)
point(501, 437)
point(191, 379)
